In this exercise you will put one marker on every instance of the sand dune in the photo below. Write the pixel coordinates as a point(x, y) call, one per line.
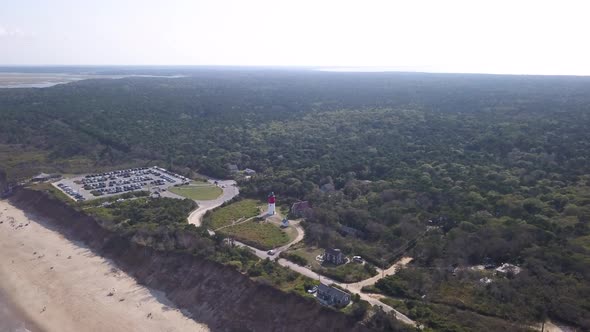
point(62, 286)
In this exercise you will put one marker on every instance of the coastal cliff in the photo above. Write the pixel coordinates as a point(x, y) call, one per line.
point(214, 294)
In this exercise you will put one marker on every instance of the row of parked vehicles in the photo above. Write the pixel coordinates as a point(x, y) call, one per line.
point(141, 180)
point(121, 173)
point(68, 190)
point(169, 179)
point(120, 181)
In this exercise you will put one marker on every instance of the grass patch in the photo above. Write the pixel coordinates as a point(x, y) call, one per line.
point(398, 305)
point(144, 212)
point(268, 272)
point(307, 253)
point(225, 215)
point(53, 192)
point(351, 272)
point(200, 191)
point(261, 235)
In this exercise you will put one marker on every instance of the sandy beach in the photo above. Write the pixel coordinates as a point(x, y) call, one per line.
point(59, 285)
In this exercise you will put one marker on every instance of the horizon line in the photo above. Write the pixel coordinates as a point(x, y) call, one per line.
point(327, 69)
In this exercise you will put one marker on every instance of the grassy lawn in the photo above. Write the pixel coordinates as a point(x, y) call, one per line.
point(198, 191)
point(308, 253)
point(261, 235)
point(224, 216)
point(290, 231)
point(351, 272)
point(268, 272)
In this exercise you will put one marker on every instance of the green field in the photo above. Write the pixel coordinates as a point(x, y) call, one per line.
point(261, 235)
point(307, 253)
point(351, 272)
point(198, 191)
point(224, 216)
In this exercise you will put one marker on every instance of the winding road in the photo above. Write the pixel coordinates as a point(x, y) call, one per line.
point(230, 190)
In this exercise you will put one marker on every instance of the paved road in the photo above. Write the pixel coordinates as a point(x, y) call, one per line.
point(230, 190)
point(357, 286)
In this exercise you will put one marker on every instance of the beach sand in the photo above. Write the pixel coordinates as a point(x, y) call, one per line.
point(62, 286)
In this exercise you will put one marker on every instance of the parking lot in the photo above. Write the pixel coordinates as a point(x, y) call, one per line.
point(91, 186)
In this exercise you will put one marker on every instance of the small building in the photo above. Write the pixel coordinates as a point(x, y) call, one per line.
point(249, 171)
point(44, 177)
point(285, 223)
point(333, 296)
point(334, 256)
point(508, 270)
point(301, 209)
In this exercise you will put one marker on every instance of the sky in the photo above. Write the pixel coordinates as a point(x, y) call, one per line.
point(496, 36)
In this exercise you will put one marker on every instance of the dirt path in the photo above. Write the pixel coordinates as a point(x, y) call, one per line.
point(62, 286)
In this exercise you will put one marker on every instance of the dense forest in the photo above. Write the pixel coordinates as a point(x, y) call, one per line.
point(457, 169)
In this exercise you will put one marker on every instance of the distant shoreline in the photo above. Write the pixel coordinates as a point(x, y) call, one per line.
point(13, 80)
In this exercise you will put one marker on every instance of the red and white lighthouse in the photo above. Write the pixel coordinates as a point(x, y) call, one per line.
point(271, 204)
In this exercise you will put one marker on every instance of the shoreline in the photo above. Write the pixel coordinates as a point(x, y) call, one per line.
point(12, 318)
point(53, 284)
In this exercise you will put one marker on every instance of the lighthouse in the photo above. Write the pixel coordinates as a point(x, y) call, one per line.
point(271, 204)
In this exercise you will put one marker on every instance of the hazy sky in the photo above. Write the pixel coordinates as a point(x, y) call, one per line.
point(517, 36)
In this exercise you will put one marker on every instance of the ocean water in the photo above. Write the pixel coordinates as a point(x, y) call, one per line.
point(11, 320)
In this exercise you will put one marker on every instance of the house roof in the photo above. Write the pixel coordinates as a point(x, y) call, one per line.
point(509, 268)
point(42, 176)
point(333, 292)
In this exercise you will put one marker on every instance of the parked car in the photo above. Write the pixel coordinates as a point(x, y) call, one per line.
point(271, 252)
point(312, 290)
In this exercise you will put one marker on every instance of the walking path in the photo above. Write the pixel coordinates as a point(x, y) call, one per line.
point(230, 190)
